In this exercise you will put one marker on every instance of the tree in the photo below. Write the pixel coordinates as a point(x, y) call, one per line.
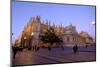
point(50, 37)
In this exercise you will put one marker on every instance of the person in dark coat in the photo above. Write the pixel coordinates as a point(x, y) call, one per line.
point(86, 46)
point(37, 48)
point(62, 47)
point(49, 48)
point(75, 49)
point(14, 49)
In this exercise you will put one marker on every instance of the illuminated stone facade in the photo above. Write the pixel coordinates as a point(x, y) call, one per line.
point(35, 27)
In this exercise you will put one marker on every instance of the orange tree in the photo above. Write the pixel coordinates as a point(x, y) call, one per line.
point(50, 37)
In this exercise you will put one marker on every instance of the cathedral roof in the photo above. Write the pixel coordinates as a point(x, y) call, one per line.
point(70, 29)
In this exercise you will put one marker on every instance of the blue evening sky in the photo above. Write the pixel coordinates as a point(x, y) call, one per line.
point(80, 16)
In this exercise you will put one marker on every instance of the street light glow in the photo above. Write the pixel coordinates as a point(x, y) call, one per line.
point(24, 37)
point(32, 34)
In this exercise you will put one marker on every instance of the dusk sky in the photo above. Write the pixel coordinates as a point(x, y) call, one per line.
point(80, 16)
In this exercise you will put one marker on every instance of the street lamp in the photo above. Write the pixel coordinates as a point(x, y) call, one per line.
point(24, 45)
point(24, 38)
point(32, 34)
point(30, 40)
point(12, 38)
point(32, 37)
point(93, 23)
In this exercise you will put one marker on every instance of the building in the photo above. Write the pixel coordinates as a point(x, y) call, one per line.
point(35, 27)
point(71, 36)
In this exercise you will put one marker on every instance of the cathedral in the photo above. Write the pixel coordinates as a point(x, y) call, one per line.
point(35, 27)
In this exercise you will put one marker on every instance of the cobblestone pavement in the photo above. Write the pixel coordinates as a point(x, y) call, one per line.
point(56, 55)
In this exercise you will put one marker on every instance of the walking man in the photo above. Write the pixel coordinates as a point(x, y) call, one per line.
point(75, 49)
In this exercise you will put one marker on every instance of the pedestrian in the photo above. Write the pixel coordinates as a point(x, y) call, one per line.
point(49, 48)
point(33, 48)
point(86, 46)
point(75, 49)
point(62, 47)
point(14, 49)
point(37, 48)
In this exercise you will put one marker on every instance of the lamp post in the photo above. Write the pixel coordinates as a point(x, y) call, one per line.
point(12, 39)
point(94, 26)
point(32, 34)
point(24, 45)
point(30, 40)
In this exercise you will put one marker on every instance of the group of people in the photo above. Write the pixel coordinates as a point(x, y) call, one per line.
point(20, 49)
point(36, 48)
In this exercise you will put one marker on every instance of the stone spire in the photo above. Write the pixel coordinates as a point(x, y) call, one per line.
point(53, 25)
point(46, 22)
point(31, 19)
point(37, 18)
point(61, 25)
point(49, 23)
